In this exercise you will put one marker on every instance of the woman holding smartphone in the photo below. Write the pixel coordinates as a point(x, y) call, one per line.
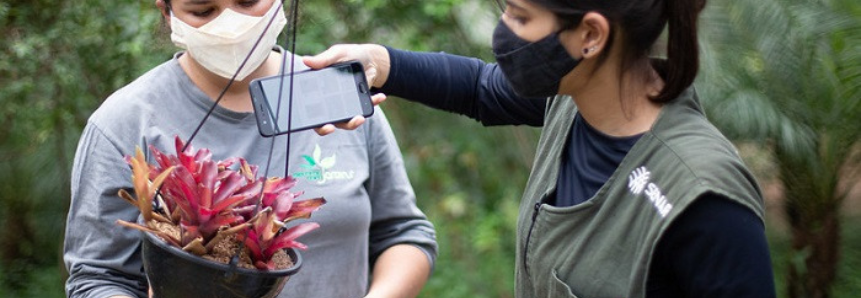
point(633, 193)
point(370, 223)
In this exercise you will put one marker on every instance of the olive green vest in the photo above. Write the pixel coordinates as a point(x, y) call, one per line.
point(603, 247)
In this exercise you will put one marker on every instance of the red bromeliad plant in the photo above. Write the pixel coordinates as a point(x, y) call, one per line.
point(202, 204)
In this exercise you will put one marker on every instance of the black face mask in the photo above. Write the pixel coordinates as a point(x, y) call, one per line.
point(533, 69)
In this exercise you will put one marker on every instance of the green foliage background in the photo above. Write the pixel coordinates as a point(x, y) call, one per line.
point(60, 59)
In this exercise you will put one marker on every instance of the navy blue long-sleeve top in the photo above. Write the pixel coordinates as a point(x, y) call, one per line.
point(716, 248)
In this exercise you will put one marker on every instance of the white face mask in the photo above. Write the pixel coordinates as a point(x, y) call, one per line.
point(222, 44)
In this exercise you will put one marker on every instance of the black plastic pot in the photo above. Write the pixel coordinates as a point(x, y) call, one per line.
point(173, 273)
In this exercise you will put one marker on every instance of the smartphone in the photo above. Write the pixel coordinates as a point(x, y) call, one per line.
point(329, 95)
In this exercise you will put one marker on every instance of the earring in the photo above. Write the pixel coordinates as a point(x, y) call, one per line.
point(589, 50)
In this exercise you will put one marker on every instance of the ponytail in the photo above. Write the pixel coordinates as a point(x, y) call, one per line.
point(682, 62)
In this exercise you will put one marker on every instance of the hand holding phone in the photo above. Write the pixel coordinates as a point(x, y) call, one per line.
point(374, 57)
point(329, 95)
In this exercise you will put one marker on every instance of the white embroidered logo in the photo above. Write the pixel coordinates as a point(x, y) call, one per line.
point(638, 182)
point(638, 179)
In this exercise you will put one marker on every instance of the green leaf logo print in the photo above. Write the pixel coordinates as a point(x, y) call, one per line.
point(318, 168)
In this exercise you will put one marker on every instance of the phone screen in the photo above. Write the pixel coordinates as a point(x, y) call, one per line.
point(329, 95)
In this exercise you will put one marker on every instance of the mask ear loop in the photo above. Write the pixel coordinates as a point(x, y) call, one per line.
point(291, 36)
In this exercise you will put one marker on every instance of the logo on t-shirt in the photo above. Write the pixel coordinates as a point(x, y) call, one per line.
point(319, 169)
point(638, 182)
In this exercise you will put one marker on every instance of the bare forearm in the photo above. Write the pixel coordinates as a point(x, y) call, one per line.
point(400, 272)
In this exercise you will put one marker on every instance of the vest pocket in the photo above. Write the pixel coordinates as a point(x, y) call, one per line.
point(559, 288)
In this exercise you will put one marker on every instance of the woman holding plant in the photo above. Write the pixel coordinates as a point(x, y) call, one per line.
point(633, 192)
point(370, 222)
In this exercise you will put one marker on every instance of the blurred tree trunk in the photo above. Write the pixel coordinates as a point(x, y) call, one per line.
point(813, 276)
point(814, 219)
point(784, 74)
point(18, 238)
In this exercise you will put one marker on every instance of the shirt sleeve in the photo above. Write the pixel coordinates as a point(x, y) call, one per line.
point(715, 249)
point(395, 218)
point(102, 258)
point(466, 86)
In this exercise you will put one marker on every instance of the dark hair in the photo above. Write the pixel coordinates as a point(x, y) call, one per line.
point(641, 23)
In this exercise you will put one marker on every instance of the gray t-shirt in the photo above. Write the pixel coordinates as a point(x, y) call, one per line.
point(371, 204)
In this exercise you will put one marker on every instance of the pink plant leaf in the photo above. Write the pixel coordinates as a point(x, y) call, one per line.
point(251, 244)
point(175, 191)
point(230, 184)
point(282, 204)
point(287, 238)
point(251, 189)
point(303, 209)
point(185, 179)
point(273, 199)
point(263, 226)
point(185, 159)
point(229, 203)
point(277, 185)
point(178, 143)
point(209, 171)
point(191, 199)
point(206, 214)
point(224, 164)
point(164, 161)
point(203, 155)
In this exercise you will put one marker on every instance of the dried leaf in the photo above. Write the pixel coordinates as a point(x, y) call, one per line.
point(195, 246)
point(161, 234)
